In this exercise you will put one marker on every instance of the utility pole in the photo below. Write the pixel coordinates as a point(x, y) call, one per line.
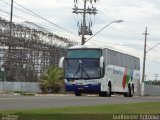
point(144, 57)
point(89, 8)
point(84, 23)
point(156, 75)
point(11, 15)
point(10, 40)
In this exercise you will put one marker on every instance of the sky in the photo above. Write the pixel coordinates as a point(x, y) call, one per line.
point(126, 36)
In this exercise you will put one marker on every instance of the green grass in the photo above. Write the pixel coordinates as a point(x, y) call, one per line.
point(91, 112)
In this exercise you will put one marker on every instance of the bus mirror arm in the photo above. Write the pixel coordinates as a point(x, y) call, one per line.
point(101, 62)
point(61, 62)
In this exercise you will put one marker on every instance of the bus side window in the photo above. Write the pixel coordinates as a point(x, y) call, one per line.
point(109, 57)
point(132, 62)
point(119, 57)
point(114, 58)
point(136, 64)
point(128, 62)
point(124, 60)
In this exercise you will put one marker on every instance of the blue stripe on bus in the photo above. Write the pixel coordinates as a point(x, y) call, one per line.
point(83, 88)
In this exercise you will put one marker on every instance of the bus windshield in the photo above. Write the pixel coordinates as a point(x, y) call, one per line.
point(84, 53)
point(82, 69)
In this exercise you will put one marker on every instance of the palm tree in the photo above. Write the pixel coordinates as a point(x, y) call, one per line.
point(51, 81)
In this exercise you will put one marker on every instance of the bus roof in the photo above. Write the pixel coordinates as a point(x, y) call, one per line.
point(98, 47)
point(84, 46)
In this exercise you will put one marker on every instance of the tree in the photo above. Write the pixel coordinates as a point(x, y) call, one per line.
point(156, 82)
point(52, 81)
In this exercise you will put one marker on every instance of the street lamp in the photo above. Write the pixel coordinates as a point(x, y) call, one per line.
point(116, 21)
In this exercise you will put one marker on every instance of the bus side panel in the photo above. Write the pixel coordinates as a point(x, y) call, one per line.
point(120, 78)
point(104, 80)
point(115, 75)
point(121, 70)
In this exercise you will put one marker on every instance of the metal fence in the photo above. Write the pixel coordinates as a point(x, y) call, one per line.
point(150, 90)
point(20, 86)
point(146, 89)
point(29, 50)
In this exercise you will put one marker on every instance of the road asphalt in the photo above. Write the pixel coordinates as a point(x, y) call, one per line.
point(14, 102)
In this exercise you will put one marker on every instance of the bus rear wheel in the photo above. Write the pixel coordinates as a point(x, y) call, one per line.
point(130, 92)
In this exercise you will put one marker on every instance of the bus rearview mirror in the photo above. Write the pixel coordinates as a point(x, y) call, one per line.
point(101, 62)
point(61, 62)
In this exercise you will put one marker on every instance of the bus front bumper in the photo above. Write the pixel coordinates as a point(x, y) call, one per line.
point(90, 88)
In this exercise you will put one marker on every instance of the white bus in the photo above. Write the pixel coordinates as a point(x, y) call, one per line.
point(91, 69)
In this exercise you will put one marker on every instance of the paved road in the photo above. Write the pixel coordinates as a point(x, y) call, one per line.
point(10, 102)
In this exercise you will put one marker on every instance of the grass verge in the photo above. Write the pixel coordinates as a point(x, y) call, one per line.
point(101, 112)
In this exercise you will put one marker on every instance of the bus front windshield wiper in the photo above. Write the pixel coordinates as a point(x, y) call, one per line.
point(85, 72)
point(78, 70)
point(81, 70)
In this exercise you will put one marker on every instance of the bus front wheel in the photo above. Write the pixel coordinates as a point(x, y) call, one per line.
point(77, 93)
point(103, 94)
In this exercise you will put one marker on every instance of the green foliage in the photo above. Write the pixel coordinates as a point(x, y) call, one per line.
point(156, 82)
point(52, 81)
point(150, 82)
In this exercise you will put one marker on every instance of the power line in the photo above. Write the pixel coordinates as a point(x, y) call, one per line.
point(24, 18)
point(109, 16)
point(18, 9)
point(154, 61)
point(13, 14)
point(5, 2)
point(46, 28)
point(27, 13)
point(116, 21)
point(36, 15)
point(3, 16)
point(117, 44)
point(44, 18)
point(34, 23)
point(153, 47)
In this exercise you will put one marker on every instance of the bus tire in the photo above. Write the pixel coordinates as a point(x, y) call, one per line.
point(109, 92)
point(125, 95)
point(131, 90)
point(77, 93)
point(103, 94)
point(133, 87)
